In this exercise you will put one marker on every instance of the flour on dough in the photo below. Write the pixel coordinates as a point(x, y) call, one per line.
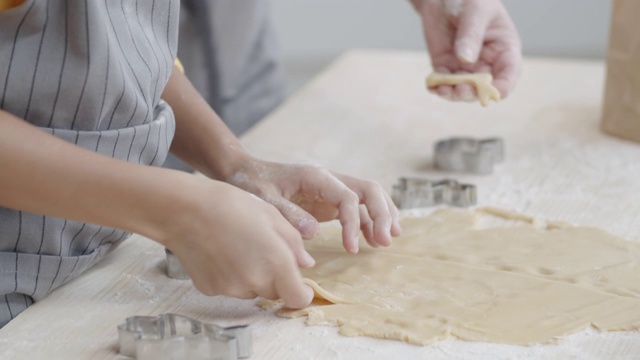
point(481, 81)
point(484, 275)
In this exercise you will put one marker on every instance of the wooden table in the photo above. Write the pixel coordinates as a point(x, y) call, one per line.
point(369, 115)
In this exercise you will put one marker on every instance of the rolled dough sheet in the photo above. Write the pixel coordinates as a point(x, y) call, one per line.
point(485, 275)
point(481, 81)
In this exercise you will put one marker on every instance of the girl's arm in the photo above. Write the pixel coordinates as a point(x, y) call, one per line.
point(302, 194)
point(220, 233)
point(43, 174)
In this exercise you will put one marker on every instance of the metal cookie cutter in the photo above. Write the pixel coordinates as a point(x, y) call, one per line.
point(174, 268)
point(412, 193)
point(171, 336)
point(469, 155)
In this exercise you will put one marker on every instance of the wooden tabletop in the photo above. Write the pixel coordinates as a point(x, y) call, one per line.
point(369, 115)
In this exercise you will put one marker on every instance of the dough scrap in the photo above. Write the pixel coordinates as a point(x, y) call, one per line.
point(485, 275)
point(481, 81)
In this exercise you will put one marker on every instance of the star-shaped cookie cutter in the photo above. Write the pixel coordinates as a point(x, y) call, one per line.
point(468, 154)
point(412, 193)
point(172, 336)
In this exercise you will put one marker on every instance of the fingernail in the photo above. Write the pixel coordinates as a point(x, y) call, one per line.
point(308, 228)
point(465, 54)
point(396, 230)
point(386, 238)
point(310, 294)
point(355, 248)
point(307, 260)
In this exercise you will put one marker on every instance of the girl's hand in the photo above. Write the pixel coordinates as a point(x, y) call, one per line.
point(235, 244)
point(306, 194)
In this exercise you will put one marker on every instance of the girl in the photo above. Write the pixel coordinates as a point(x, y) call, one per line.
point(90, 104)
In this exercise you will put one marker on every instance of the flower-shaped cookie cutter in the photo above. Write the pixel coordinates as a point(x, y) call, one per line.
point(172, 336)
point(412, 193)
point(468, 154)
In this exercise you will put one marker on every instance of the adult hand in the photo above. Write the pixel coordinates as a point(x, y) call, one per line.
point(468, 36)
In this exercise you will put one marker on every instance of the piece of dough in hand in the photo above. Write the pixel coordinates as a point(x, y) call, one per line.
point(482, 82)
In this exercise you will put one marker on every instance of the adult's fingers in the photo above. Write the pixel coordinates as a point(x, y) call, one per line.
point(506, 70)
point(464, 92)
point(444, 91)
point(472, 25)
point(468, 92)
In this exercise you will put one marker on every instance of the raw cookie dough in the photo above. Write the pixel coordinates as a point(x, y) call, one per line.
point(484, 275)
point(482, 82)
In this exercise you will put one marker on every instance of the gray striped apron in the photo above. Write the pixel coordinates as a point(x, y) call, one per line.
point(89, 72)
point(231, 55)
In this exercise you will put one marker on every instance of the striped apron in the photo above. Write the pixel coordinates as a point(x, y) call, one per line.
point(230, 52)
point(89, 72)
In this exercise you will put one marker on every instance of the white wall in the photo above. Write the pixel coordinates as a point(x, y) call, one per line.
point(314, 31)
point(327, 27)
point(576, 28)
